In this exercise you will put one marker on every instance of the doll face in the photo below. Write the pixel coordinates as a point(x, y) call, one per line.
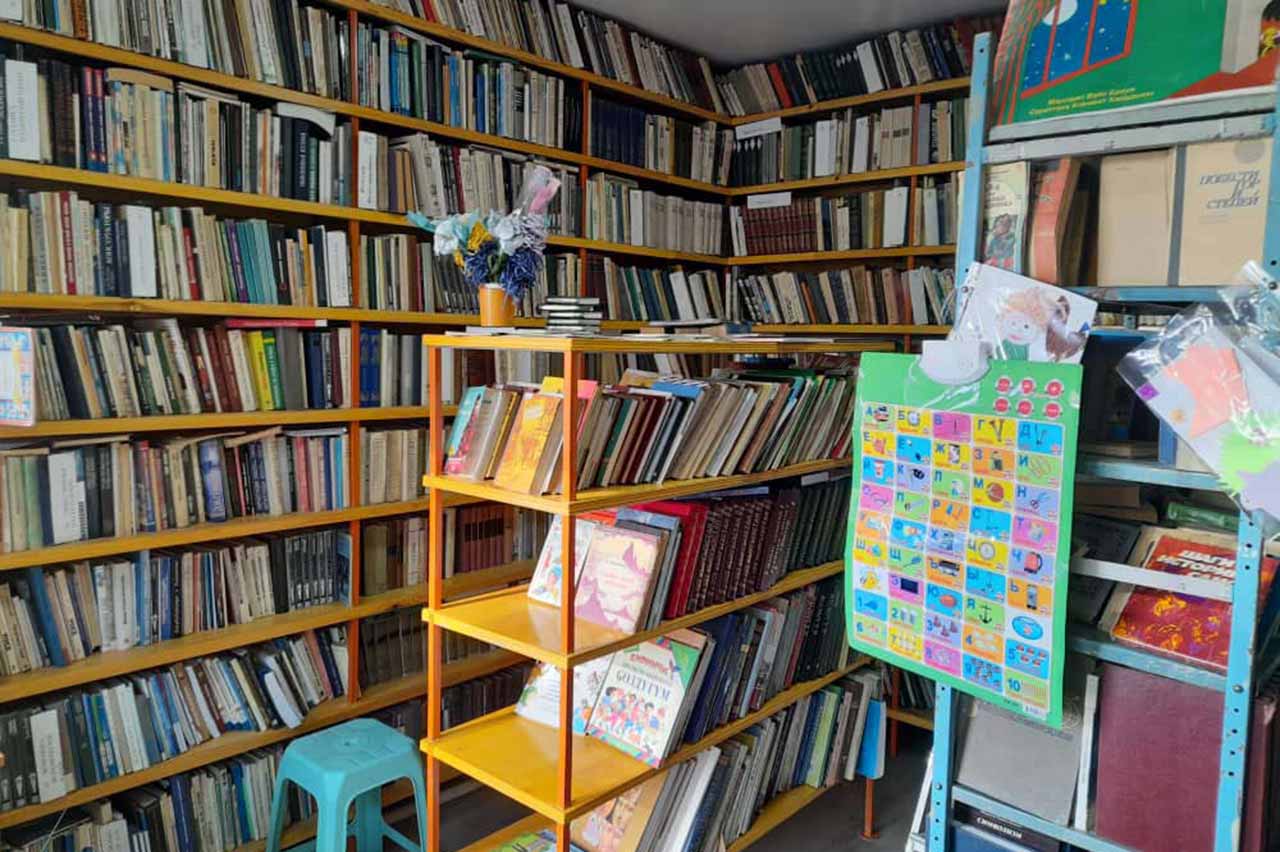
point(1017, 327)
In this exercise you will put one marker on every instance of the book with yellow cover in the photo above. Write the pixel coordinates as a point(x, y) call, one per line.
point(537, 419)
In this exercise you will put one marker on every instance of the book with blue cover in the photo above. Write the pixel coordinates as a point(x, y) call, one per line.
point(871, 752)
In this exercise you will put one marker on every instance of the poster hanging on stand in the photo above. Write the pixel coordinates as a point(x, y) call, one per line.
point(958, 542)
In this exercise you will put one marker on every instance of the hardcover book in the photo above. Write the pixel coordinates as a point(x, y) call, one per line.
point(548, 575)
point(617, 577)
point(540, 698)
point(619, 824)
point(1005, 216)
point(531, 438)
point(644, 693)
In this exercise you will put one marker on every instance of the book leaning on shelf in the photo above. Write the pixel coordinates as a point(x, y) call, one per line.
point(61, 243)
point(644, 293)
point(220, 806)
point(110, 729)
point(406, 73)
point(619, 211)
point(662, 143)
point(857, 295)
point(50, 617)
point(849, 143)
point(890, 61)
point(156, 367)
point(648, 429)
point(709, 801)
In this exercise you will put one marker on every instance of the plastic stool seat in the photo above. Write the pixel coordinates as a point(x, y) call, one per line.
point(343, 767)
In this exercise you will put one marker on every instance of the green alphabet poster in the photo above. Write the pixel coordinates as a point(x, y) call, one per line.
point(960, 526)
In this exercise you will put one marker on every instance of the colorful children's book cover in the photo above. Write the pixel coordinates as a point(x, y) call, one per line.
point(642, 695)
point(619, 824)
point(1193, 629)
point(1022, 319)
point(614, 587)
point(464, 459)
point(466, 409)
point(548, 574)
point(959, 530)
point(1061, 57)
point(17, 376)
point(1005, 215)
point(540, 698)
point(538, 415)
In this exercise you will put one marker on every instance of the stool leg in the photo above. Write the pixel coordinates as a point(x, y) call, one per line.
point(368, 826)
point(277, 813)
point(419, 781)
point(331, 827)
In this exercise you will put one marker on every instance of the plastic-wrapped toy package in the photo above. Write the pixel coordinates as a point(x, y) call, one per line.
point(1213, 375)
point(1021, 319)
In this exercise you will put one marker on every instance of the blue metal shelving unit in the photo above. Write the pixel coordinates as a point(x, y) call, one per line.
point(1161, 125)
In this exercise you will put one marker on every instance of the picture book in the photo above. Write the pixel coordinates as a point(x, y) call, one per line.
point(1191, 629)
point(548, 574)
point(1022, 319)
point(466, 409)
point(644, 693)
point(617, 578)
point(1062, 57)
point(958, 539)
point(618, 825)
point(1005, 215)
point(540, 698)
point(479, 435)
point(531, 436)
point(17, 376)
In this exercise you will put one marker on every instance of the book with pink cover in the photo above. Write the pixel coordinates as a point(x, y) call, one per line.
point(548, 575)
point(617, 578)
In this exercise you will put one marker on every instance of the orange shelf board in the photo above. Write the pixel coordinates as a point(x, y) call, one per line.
point(776, 811)
point(655, 345)
point(853, 177)
point(850, 328)
point(908, 717)
point(520, 758)
point(843, 254)
point(592, 499)
point(957, 84)
point(509, 619)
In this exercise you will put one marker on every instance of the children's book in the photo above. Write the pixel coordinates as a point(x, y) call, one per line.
point(618, 825)
point(540, 698)
point(531, 437)
point(644, 694)
point(548, 575)
point(466, 409)
point(1005, 215)
point(1022, 319)
point(617, 578)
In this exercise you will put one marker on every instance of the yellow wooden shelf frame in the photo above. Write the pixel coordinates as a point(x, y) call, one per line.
point(923, 721)
point(958, 85)
point(509, 619)
point(639, 344)
point(844, 254)
point(518, 757)
point(850, 328)
point(229, 745)
point(844, 180)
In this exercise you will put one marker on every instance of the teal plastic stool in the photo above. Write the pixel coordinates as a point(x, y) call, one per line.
point(348, 765)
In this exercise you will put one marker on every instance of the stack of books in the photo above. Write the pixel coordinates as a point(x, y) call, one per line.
point(572, 315)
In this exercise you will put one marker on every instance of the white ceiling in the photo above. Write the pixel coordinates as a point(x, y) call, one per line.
point(737, 31)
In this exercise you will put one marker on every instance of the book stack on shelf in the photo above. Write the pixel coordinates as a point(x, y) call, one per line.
point(570, 315)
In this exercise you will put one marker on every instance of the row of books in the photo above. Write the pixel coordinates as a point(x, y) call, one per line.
point(392, 369)
point(633, 135)
point(579, 38)
point(393, 462)
point(849, 143)
point(485, 536)
point(648, 293)
point(218, 807)
point(646, 429)
point(417, 173)
point(870, 219)
point(860, 294)
point(619, 211)
point(647, 699)
point(109, 487)
point(58, 616)
point(58, 242)
point(689, 555)
point(156, 367)
point(711, 800)
point(393, 645)
point(474, 698)
point(85, 737)
point(890, 61)
point(401, 71)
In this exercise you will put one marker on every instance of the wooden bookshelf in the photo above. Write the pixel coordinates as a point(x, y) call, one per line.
point(906, 93)
point(377, 697)
point(874, 176)
point(225, 420)
point(847, 254)
point(908, 717)
point(846, 328)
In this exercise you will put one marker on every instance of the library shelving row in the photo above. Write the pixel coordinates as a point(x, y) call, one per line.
point(1127, 130)
point(555, 774)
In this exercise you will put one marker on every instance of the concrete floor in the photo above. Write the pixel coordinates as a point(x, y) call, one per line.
point(833, 823)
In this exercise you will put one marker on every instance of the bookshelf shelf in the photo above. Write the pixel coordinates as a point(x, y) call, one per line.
point(231, 744)
point(846, 328)
point(224, 420)
point(509, 619)
point(849, 254)
point(518, 758)
point(845, 180)
point(641, 345)
point(906, 93)
point(1142, 295)
point(1095, 643)
point(623, 495)
point(916, 720)
point(1145, 471)
point(197, 533)
point(1077, 839)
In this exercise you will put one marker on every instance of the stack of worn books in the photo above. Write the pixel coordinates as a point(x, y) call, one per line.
point(572, 315)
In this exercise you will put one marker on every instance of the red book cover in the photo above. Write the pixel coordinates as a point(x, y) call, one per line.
point(1157, 758)
point(1191, 629)
point(68, 250)
point(775, 77)
point(1052, 189)
point(231, 390)
point(693, 519)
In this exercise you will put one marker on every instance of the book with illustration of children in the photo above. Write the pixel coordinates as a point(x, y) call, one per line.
point(648, 692)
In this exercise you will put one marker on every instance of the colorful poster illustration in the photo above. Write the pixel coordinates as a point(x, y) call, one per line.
point(959, 531)
point(17, 376)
